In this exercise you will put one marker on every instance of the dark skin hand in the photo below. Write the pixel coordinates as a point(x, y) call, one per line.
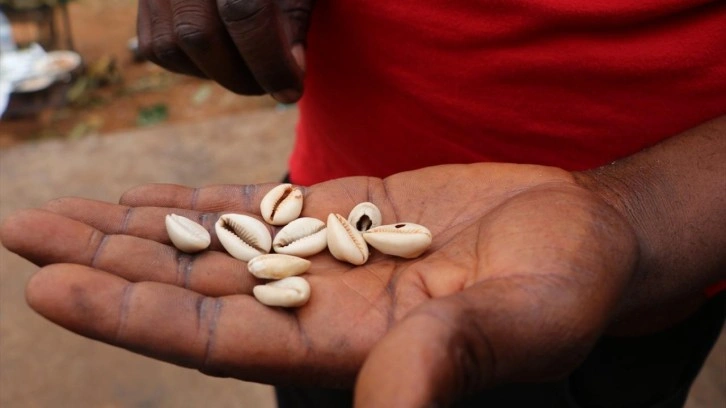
point(250, 47)
point(524, 273)
point(528, 267)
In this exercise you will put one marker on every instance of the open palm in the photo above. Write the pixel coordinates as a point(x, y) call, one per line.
point(522, 276)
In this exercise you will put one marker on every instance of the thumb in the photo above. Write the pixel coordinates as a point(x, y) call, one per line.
point(515, 329)
point(428, 359)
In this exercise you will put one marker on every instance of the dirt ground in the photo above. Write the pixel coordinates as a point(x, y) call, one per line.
point(138, 92)
point(44, 365)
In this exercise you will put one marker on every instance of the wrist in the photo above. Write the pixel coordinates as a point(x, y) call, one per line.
point(672, 195)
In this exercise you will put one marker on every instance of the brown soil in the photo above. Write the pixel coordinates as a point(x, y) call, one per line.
point(101, 30)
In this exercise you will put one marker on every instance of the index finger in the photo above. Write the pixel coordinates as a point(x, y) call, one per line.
point(241, 198)
point(336, 196)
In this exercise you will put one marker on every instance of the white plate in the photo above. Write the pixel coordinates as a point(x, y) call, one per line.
point(58, 63)
point(34, 84)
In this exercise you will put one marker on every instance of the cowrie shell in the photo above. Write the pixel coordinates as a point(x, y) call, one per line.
point(244, 237)
point(405, 239)
point(277, 266)
point(304, 236)
point(282, 204)
point(185, 234)
point(365, 216)
point(289, 292)
point(345, 242)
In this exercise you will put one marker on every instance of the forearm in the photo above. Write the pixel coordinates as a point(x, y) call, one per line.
point(674, 196)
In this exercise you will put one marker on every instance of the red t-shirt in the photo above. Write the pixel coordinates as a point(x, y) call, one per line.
point(398, 85)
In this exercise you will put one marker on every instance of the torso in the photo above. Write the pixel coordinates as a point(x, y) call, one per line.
point(394, 86)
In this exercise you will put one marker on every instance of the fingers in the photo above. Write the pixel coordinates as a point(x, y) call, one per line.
point(142, 222)
point(229, 335)
point(157, 40)
point(242, 198)
point(45, 238)
point(246, 46)
point(502, 330)
point(202, 36)
point(263, 38)
point(338, 195)
point(230, 198)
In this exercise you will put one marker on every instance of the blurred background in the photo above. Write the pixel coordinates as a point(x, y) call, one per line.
point(108, 89)
point(83, 116)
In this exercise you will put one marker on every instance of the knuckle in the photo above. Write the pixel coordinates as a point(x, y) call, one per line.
point(208, 312)
point(193, 37)
point(121, 329)
point(57, 203)
point(145, 47)
point(241, 10)
point(299, 15)
point(95, 246)
point(166, 50)
point(127, 196)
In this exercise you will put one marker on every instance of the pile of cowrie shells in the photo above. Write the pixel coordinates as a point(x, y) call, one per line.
point(248, 239)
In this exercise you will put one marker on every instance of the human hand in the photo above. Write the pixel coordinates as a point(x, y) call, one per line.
point(249, 47)
point(522, 276)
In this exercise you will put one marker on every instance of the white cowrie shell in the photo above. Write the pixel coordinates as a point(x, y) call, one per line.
point(289, 292)
point(277, 266)
point(282, 204)
point(304, 236)
point(345, 242)
point(185, 234)
point(365, 216)
point(242, 236)
point(404, 239)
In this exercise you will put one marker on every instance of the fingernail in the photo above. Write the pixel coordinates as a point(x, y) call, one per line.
point(298, 52)
point(286, 96)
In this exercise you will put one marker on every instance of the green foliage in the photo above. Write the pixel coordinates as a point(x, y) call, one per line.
point(152, 115)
